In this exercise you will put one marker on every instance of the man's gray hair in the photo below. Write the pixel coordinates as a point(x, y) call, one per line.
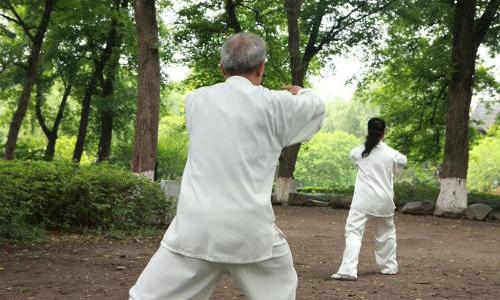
point(242, 53)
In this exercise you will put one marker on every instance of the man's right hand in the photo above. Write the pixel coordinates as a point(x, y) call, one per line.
point(293, 89)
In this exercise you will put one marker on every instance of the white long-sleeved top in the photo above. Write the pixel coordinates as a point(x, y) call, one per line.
point(373, 191)
point(236, 134)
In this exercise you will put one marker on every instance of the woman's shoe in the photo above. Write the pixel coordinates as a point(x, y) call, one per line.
point(343, 277)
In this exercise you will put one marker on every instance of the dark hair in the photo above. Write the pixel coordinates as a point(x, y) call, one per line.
point(376, 130)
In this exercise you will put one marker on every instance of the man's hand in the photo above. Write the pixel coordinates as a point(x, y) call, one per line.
point(293, 89)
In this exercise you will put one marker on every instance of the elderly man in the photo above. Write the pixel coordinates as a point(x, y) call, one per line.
point(225, 221)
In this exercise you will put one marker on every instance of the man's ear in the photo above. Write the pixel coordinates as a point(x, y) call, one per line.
point(224, 73)
point(260, 70)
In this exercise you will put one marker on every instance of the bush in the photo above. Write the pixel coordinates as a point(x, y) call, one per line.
point(62, 196)
point(324, 161)
point(172, 147)
point(484, 163)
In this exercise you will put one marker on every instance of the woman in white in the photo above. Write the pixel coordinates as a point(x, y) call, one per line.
point(373, 199)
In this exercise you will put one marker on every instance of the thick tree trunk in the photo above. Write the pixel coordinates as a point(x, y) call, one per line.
point(452, 197)
point(90, 90)
point(285, 183)
point(106, 136)
point(31, 77)
point(148, 97)
point(467, 36)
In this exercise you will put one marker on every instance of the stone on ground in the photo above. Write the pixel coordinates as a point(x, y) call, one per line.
point(418, 208)
point(495, 215)
point(478, 211)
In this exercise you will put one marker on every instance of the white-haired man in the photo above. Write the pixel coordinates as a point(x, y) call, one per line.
point(225, 221)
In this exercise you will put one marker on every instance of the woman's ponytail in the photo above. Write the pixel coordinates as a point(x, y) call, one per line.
point(376, 130)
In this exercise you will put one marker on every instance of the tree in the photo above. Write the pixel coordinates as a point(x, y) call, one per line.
point(148, 94)
point(468, 34)
point(108, 86)
point(349, 23)
point(50, 133)
point(203, 25)
point(91, 87)
point(31, 73)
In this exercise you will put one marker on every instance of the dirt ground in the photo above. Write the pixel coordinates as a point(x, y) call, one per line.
point(438, 258)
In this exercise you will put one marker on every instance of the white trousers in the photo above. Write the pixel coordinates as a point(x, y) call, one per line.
point(385, 243)
point(172, 276)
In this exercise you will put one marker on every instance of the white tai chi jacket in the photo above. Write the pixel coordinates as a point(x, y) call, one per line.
point(373, 191)
point(236, 133)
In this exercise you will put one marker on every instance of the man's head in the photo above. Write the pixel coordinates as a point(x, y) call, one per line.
point(244, 54)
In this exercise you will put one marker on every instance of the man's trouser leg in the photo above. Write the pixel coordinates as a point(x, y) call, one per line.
point(354, 230)
point(171, 276)
point(272, 279)
point(385, 246)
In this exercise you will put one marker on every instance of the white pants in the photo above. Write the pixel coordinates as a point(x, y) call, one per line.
point(385, 243)
point(172, 276)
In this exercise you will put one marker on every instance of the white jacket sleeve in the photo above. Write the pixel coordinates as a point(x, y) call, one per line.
point(355, 155)
point(400, 161)
point(300, 116)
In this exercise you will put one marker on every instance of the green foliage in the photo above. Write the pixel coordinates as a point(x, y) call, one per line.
point(484, 163)
point(62, 196)
point(349, 116)
point(410, 77)
point(172, 147)
point(202, 27)
point(324, 161)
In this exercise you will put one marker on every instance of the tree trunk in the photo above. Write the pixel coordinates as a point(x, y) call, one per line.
point(468, 34)
point(31, 77)
point(90, 90)
point(285, 184)
point(148, 96)
point(107, 109)
point(106, 136)
point(52, 137)
point(232, 19)
point(51, 134)
point(452, 197)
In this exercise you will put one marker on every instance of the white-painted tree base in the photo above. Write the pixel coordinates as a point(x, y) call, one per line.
point(148, 174)
point(452, 199)
point(284, 186)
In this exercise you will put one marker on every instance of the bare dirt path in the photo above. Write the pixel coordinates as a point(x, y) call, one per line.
point(439, 259)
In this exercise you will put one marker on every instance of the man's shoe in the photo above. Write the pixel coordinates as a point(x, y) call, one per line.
point(389, 273)
point(343, 277)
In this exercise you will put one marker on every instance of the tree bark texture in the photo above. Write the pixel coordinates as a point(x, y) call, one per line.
point(148, 96)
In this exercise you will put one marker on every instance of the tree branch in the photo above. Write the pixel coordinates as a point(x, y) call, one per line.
point(334, 30)
point(310, 49)
point(484, 22)
point(232, 20)
point(38, 110)
point(21, 23)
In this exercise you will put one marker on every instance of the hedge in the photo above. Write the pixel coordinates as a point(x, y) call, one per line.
point(37, 196)
point(405, 192)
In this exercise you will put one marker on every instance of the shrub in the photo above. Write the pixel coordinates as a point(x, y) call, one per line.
point(324, 161)
point(62, 196)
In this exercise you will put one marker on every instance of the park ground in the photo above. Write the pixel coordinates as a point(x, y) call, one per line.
point(439, 259)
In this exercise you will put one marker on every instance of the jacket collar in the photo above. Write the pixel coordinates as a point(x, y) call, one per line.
point(239, 80)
